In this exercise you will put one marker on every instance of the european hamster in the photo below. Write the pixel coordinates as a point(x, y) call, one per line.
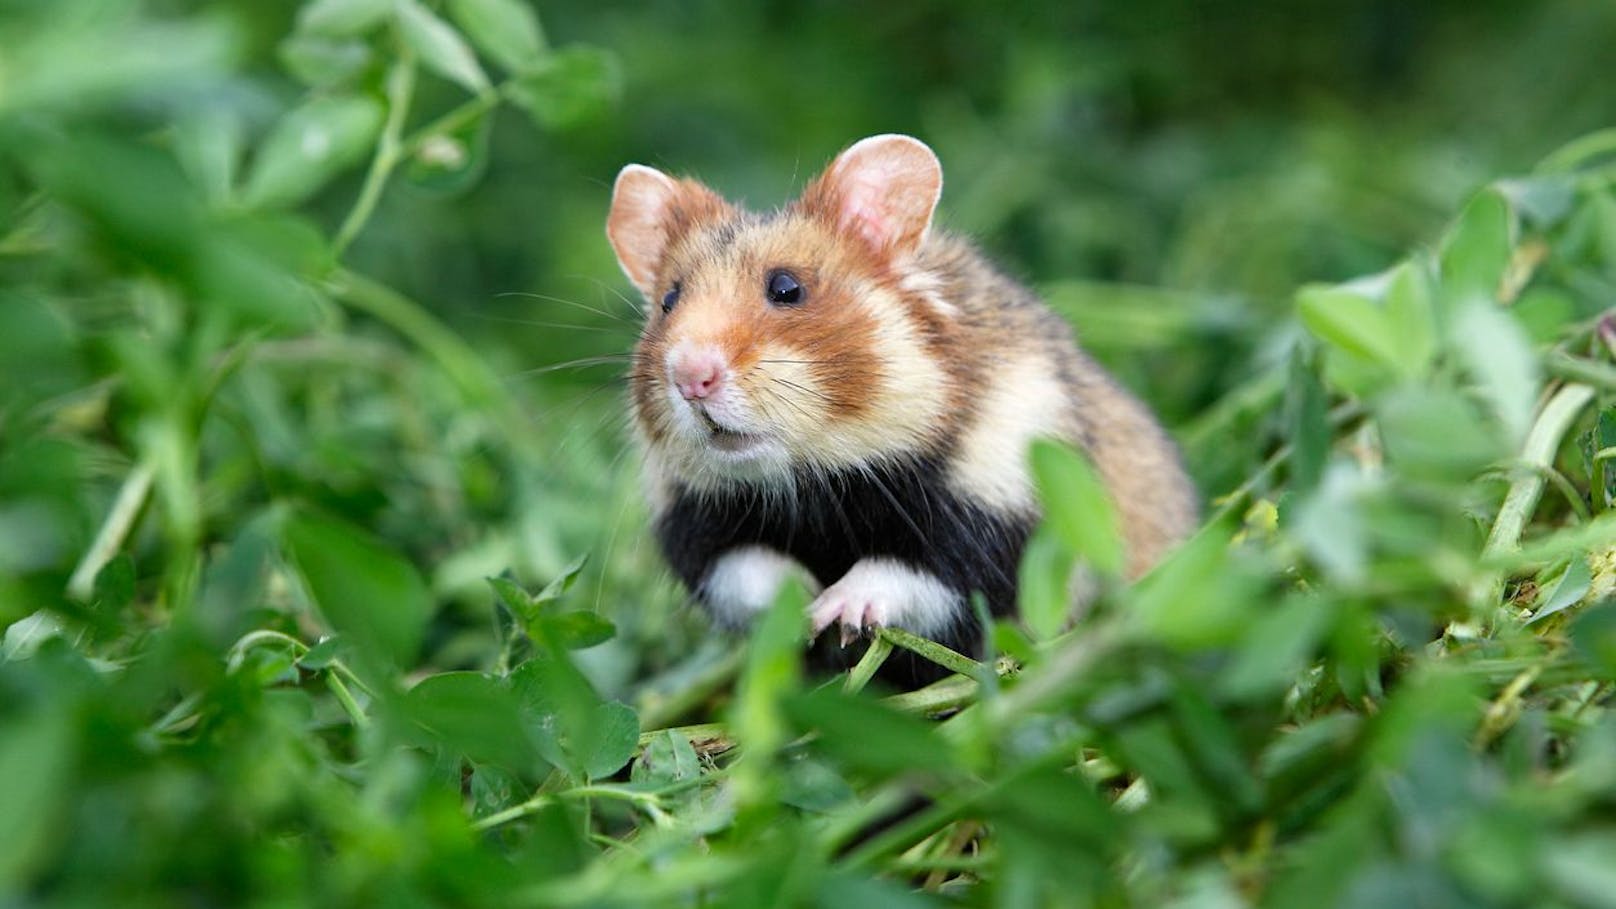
point(839, 391)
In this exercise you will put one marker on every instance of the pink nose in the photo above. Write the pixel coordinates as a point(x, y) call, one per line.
point(698, 373)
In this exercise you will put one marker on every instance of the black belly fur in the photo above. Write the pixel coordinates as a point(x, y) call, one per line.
point(902, 511)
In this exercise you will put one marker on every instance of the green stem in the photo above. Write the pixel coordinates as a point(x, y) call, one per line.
point(453, 120)
point(400, 88)
point(515, 812)
point(931, 650)
point(1542, 441)
point(347, 700)
point(1578, 152)
point(865, 669)
point(114, 530)
point(1590, 372)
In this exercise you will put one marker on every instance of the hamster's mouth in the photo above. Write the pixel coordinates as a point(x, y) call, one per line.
point(729, 441)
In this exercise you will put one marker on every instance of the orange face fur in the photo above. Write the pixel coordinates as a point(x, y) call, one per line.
point(733, 382)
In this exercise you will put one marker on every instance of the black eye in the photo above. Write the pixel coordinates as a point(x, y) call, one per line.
point(783, 288)
point(670, 298)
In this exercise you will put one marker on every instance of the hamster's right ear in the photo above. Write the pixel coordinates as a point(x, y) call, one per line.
point(649, 210)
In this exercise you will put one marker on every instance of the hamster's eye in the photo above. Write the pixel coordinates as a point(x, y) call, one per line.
point(670, 298)
point(783, 288)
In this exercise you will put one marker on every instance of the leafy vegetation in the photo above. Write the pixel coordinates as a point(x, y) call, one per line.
point(307, 600)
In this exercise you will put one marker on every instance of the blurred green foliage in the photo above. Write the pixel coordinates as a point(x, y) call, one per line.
point(309, 419)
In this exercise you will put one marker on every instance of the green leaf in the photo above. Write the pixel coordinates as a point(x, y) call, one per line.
point(319, 61)
point(1411, 315)
point(568, 87)
point(309, 146)
point(607, 742)
point(1077, 507)
point(1476, 251)
point(1351, 322)
point(1499, 358)
point(36, 761)
point(1210, 740)
point(365, 590)
point(1045, 591)
point(1567, 591)
point(1305, 406)
point(580, 628)
point(209, 146)
point(323, 654)
point(773, 670)
point(1593, 634)
point(557, 701)
point(869, 736)
point(515, 599)
point(1579, 868)
point(471, 715)
point(1277, 647)
point(115, 584)
point(812, 785)
point(562, 582)
point(575, 728)
point(667, 758)
point(342, 18)
point(440, 47)
point(492, 789)
point(1197, 596)
point(1542, 200)
point(1436, 434)
point(842, 890)
point(506, 30)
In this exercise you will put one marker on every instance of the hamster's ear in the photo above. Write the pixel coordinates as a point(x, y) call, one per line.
point(649, 210)
point(882, 189)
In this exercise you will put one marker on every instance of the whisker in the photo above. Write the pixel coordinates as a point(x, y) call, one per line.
point(512, 320)
point(565, 302)
point(635, 309)
point(799, 387)
point(580, 363)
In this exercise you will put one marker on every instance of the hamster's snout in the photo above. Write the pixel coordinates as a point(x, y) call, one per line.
point(698, 373)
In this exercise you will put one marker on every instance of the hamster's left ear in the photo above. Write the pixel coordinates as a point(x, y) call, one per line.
point(882, 189)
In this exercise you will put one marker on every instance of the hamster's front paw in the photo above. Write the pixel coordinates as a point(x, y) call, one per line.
point(858, 608)
point(879, 592)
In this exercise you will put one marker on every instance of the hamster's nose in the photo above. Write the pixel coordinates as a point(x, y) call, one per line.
point(698, 373)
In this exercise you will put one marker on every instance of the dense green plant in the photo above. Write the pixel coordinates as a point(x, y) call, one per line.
point(296, 609)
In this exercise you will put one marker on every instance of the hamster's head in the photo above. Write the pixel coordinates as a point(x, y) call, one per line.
point(803, 339)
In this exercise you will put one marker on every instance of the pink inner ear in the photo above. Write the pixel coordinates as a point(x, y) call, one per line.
point(863, 214)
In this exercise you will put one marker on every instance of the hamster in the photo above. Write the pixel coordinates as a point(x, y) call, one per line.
point(839, 392)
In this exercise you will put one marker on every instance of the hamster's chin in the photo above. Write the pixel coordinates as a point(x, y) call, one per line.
point(731, 451)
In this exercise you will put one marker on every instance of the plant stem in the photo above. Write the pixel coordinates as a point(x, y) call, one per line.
point(114, 530)
point(1577, 369)
point(931, 650)
point(1542, 441)
point(515, 812)
point(865, 669)
point(400, 88)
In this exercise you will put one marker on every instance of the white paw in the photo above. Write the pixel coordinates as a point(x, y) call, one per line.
point(879, 592)
point(745, 581)
point(857, 609)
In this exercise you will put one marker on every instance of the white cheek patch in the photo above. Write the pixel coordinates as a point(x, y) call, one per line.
point(744, 581)
point(881, 592)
